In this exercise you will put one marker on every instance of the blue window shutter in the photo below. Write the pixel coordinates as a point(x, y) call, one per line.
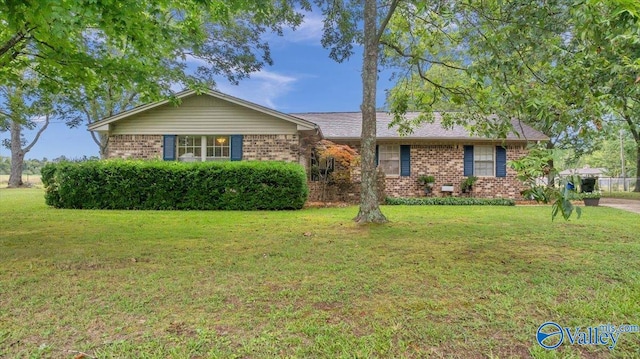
point(236, 147)
point(169, 147)
point(405, 160)
point(377, 156)
point(501, 161)
point(468, 161)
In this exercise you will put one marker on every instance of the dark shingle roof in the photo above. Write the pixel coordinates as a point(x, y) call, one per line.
point(348, 125)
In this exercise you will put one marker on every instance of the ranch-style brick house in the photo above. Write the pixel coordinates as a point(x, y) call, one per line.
point(212, 126)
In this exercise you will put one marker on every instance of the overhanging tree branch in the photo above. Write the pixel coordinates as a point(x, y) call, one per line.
point(13, 41)
point(401, 53)
point(37, 137)
point(383, 24)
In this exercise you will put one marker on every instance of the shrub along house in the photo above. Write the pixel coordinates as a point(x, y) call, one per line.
point(215, 127)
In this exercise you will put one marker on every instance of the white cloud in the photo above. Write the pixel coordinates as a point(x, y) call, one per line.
point(193, 62)
point(263, 87)
point(309, 31)
point(39, 119)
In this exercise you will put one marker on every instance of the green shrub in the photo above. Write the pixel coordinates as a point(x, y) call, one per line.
point(119, 184)
point(450, 201)
point(47, 174)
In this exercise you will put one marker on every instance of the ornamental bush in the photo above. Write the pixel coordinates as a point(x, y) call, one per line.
point(450, 201)
point(157, 185)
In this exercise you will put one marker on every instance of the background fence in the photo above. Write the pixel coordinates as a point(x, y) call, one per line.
point(617, 184)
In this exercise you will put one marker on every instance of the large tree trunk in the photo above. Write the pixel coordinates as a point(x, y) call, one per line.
point(551, 179)
point(369, 201)
point(637, 188)
point(17, 156)
point(104, 146)
point(102, 140)
point(635, 132)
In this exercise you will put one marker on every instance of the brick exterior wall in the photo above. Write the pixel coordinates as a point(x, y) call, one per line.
point(135, 147)
point(271, 148)
point(445, 163)
point(254, 147)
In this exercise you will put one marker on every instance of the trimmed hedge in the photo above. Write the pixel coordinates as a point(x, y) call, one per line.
point(156, 185)
point(450, 201)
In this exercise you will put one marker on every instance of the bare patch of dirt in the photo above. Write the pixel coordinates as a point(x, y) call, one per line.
point(180, 329)
point(327, 204)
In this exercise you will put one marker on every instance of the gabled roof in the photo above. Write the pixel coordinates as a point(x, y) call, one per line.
point(348, 126)
point(302, 123)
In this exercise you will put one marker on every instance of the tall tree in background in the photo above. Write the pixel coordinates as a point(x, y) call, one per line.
point(96, 104)
point(24, 108)
point(616, 147)
point(511, 60)
point(341, 31)
point(103, 58)
point(609, 33)
point(141, 43)
point(233, 49)
point(373, 29)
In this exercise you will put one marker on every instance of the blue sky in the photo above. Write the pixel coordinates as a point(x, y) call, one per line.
point(302, 79)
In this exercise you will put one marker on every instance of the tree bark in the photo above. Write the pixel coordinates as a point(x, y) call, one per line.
point(551, 179)
point(369, 201)
point(102, 140)
point(104, 146)
point(17, 156)
point(635, 132)
point(12, 42)
point(18, 152)
point(637, 188)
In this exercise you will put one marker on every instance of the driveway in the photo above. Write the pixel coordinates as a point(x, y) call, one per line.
point(630, 205)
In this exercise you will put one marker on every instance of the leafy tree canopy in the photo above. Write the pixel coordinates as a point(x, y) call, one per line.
point(142, 43)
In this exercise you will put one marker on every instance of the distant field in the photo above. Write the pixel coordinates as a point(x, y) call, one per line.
point(33, 179)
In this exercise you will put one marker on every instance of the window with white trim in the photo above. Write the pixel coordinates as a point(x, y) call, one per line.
point(389, 159)
point(483, 161)
point(218, 148)
point(203, 148)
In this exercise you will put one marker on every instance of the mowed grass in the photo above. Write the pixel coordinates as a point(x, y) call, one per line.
point(461, 282)
point(624, 195)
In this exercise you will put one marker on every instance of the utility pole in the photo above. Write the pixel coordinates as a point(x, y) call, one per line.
point(623, 173)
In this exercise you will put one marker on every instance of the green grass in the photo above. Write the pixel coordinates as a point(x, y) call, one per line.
point(624, 195)
point(465, 282)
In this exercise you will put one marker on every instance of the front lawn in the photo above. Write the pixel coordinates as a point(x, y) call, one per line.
point(438, 281)
point(624, 195)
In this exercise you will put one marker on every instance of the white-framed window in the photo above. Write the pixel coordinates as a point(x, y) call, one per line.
point(389, 159)
point(203, 148)
point(218, 148)
point(483, 161)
